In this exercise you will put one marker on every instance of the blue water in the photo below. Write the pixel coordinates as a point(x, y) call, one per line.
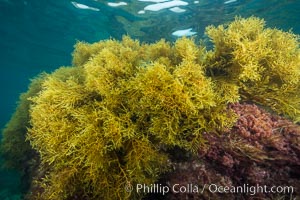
point(38, 35)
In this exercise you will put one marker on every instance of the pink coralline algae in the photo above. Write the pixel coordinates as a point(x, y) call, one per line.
point(260, 149)
point(253, 123)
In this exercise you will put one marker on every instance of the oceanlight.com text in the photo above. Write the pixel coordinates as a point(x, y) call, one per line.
point(212, 188)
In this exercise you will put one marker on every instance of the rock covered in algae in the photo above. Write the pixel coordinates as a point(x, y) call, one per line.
point(259, 152)
point(121, 112)
point(113, 123)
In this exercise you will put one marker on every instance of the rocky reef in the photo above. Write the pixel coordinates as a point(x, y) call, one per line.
point(259, 152)
point(129, 113)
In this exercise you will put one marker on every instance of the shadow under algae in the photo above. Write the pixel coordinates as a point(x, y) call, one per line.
point(123, 111)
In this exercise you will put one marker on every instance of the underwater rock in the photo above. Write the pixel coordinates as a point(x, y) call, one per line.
point(261, 149)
